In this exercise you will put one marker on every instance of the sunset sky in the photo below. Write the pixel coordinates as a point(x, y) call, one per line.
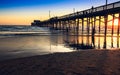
point(23, 12)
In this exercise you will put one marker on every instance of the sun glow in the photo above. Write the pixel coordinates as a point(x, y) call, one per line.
point(116, 22)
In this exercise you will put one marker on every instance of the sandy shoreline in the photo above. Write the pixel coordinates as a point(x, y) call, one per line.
point(91, 62)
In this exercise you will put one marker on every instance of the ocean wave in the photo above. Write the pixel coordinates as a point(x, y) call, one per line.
point(6, 31)
point(23, 28)
point(23, 33)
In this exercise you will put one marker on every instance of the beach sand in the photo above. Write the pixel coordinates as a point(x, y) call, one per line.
point(89, 62)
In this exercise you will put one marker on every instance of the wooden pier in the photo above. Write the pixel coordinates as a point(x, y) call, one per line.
point(102, 20)
point(93, 18)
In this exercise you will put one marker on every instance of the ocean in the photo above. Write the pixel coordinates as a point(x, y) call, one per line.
point(24, 41)
point(22, 30)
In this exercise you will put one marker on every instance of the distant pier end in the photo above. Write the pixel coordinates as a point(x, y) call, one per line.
point(36, 23)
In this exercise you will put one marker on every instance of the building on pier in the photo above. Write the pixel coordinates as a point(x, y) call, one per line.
point(36, 23)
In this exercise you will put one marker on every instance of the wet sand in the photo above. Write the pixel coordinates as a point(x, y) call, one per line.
point(89, 62)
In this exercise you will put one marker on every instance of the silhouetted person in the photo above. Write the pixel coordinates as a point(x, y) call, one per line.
point(93, 38)
point(92, 9)
point(67, 29)
point(104, 46)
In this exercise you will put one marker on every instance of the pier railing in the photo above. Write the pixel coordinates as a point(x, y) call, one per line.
point(92, 10)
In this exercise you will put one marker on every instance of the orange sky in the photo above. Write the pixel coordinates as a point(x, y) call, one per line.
point(24, 15)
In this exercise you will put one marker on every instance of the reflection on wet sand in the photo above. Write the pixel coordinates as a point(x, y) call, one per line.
point(21, 46)
point(92, 41)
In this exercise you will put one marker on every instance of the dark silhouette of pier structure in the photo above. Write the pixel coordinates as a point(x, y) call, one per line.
point(90, 22)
